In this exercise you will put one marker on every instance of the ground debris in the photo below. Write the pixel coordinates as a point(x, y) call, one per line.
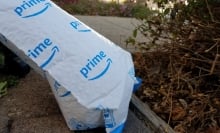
point(188, 102)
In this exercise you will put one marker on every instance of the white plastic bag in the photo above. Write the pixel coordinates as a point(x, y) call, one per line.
point(91, 78)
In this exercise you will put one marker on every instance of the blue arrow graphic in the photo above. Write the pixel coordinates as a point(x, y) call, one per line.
point(54, 50)
point(65, 94)
point(40, 12)
point(109, 61)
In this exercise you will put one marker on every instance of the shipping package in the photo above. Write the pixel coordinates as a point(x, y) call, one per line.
point(91, 77)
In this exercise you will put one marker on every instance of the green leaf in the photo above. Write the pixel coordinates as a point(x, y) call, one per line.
point(3, 85)
point(3, 89)
point(167, 10)
point(2, 59)
point(135, 33)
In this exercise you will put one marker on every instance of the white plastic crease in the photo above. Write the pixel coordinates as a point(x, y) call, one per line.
point(92, 78)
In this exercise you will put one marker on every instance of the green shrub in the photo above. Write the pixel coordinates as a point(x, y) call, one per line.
point(95, 7)
point(140, 11)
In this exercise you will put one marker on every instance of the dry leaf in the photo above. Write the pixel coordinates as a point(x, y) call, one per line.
point(178, 113)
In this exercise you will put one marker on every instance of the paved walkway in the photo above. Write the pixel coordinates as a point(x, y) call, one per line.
point(116, 29)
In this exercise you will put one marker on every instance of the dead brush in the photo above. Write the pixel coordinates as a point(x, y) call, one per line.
point(181, 79)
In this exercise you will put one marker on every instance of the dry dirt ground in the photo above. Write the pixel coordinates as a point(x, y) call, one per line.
point(30, 107)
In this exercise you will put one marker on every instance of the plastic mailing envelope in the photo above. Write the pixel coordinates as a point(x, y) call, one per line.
point(92, 78)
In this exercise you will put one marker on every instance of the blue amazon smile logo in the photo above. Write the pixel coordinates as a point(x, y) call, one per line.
point(38, 50)
point(32, 4)
point(108, 61)
point(79, 26)
point(93, 63)
point(54, 50)
point(61, 92)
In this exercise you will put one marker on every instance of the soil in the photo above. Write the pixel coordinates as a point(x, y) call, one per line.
point(31, 107)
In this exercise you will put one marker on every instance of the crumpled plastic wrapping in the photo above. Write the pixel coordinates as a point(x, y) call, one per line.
point(91, 77)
